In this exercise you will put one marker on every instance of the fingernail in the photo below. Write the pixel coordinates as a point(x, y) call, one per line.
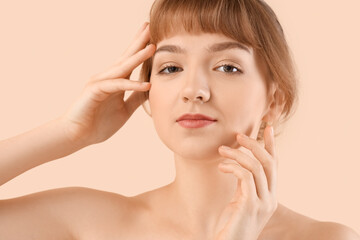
point(272, 131)
point(142, 26)
point(224, 147)
point(242, 135)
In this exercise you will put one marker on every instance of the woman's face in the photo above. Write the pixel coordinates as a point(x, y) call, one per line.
point(189, 77)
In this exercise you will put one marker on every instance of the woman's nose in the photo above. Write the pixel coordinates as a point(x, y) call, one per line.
point(196, 88)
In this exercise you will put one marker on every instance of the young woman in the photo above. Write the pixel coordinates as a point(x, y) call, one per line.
point(220, 74)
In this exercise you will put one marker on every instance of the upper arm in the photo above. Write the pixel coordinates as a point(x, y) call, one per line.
point(332, 231)
point(52, 214)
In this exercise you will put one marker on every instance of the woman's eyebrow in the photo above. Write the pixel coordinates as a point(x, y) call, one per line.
point(217, 47)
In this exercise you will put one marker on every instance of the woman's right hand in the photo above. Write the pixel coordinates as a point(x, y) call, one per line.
point(101, 111)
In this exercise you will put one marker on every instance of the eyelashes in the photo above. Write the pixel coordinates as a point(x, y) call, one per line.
point(225, 66)
point(167, 68)
point(231, 67)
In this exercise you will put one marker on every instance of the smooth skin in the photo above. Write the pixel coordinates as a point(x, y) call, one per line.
point(96, 115)
point(101, 110)
point(82, 213)
point(255, 200)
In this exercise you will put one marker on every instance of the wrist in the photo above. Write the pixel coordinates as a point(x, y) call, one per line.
point(71, 139)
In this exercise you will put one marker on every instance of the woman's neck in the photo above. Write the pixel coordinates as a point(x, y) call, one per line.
point(200, 192)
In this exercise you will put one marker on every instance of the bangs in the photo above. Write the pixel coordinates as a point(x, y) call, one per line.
point(250, 22)
point(230, 18)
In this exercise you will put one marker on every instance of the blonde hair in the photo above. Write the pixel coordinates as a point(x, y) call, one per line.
point(251, 22)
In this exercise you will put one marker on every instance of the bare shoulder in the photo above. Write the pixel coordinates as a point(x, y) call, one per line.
point(331, 231)
point(62, 213)
point(291, 225)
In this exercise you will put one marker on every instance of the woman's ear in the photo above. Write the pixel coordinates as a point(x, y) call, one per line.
point(146, 104)
point(275, 106)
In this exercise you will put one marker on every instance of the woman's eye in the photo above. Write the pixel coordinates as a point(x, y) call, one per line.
point(230, 69)
point(170, 69)
point(227, 69)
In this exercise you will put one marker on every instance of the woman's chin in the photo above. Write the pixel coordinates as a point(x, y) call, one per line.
point(197, 151)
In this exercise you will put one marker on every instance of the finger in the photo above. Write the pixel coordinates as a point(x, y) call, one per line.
point(139, 42)
point(141, 29)
point(102, 89)
point(252, 165)
point(260, 153)
point(269, 140)
point(246, 189)
point(124, 69)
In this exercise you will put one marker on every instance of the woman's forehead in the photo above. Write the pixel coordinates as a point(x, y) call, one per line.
point(180, 36)
point(210, 42)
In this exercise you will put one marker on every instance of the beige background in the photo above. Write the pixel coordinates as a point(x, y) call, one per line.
point(49, 49)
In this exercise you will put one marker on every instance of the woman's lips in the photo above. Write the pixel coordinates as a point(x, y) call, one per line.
point(194, 123)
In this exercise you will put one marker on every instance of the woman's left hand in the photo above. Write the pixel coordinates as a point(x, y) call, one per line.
point(255, 199)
